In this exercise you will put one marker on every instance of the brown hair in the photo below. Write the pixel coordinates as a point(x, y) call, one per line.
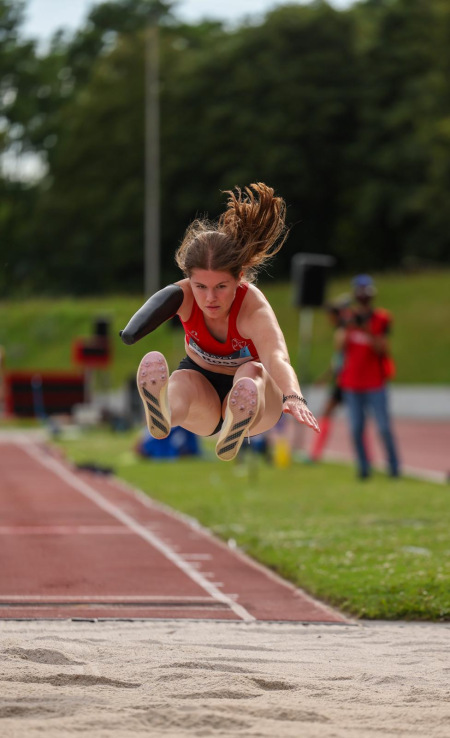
point(247, 234)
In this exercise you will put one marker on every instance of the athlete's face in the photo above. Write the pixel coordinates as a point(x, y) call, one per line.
point(213, 291)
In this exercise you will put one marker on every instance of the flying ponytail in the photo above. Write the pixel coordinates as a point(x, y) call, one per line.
point(249, 233)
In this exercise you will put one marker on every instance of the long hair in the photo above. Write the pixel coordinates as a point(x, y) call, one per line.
point(249, 233)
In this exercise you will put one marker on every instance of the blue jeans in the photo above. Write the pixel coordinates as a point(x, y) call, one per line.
point(358, 403)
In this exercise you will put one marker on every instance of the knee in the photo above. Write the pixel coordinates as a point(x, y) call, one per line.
point(252, 369)
point(182, 381)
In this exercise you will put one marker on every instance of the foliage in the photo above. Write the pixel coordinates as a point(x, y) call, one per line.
point(345, 113)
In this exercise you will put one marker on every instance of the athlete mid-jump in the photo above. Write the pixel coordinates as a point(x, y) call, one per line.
point(236, 378)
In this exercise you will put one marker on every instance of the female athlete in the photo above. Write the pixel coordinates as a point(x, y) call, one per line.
point(236, 378)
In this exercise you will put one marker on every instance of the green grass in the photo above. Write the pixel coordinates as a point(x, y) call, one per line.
point(378, 549)
point(38, 333)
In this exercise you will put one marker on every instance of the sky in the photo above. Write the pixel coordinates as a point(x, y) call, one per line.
point(44, 17)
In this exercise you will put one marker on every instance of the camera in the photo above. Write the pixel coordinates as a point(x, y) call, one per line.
point(360, 320)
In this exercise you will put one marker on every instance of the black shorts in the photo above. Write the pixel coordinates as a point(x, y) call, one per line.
point(222, 383)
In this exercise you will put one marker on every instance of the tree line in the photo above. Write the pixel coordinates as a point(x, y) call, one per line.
point(345, 113)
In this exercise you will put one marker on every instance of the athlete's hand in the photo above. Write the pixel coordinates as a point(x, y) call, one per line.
point(300, 412)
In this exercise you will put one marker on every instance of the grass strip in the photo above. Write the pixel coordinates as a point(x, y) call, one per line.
point(378, 549)
point(38, 333)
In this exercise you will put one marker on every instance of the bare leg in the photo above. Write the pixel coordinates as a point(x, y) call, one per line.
point(194, 402)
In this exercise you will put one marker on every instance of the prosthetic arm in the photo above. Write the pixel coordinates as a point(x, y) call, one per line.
point(159, 307)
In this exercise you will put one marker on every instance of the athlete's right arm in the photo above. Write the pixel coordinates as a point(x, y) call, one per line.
point(159, 307)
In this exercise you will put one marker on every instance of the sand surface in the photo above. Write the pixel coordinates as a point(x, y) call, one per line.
point(185, 678)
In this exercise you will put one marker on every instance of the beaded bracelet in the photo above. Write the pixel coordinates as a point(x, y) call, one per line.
point(295, 397)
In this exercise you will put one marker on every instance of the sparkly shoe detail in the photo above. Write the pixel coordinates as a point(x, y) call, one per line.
point(242, 408)
point(152, 381)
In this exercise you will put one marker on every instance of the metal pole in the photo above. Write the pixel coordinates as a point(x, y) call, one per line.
point(152, 162)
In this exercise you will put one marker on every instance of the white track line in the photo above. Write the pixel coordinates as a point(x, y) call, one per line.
point(62, 530)
point(201, 530)
point(102, 599)
point(94, 496)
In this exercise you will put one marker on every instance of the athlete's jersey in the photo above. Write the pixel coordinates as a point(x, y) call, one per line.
point(233, 352)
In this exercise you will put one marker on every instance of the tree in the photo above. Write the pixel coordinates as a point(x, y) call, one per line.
point(393, 196)
point(18, 74)
point(89, 213)
point(345, 113)
point(271, 102)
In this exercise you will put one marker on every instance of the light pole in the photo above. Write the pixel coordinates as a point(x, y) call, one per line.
point(152, 160)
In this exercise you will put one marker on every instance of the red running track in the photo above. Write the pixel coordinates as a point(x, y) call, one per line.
point(80, 545)
point(423, 446)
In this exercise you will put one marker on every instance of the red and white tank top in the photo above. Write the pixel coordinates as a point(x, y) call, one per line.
point(233, 352)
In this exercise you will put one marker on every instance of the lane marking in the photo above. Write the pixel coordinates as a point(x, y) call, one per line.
point(91, 494)
point(140, 606)
point(198, 528)
point(99, 599)
point(45, 530)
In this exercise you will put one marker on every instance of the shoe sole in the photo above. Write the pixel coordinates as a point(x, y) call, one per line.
point(152, 382)
point(242, 408)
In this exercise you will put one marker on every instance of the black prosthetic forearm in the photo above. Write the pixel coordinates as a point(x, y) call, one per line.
point(159, 307)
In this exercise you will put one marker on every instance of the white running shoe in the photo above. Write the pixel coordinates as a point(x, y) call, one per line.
point(242, 408)
point(152, 382)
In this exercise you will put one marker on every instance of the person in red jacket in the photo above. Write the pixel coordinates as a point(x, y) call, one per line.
point(367, 366)
point(236, 378)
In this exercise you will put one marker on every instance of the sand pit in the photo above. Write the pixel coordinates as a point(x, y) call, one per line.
point(185, 678)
